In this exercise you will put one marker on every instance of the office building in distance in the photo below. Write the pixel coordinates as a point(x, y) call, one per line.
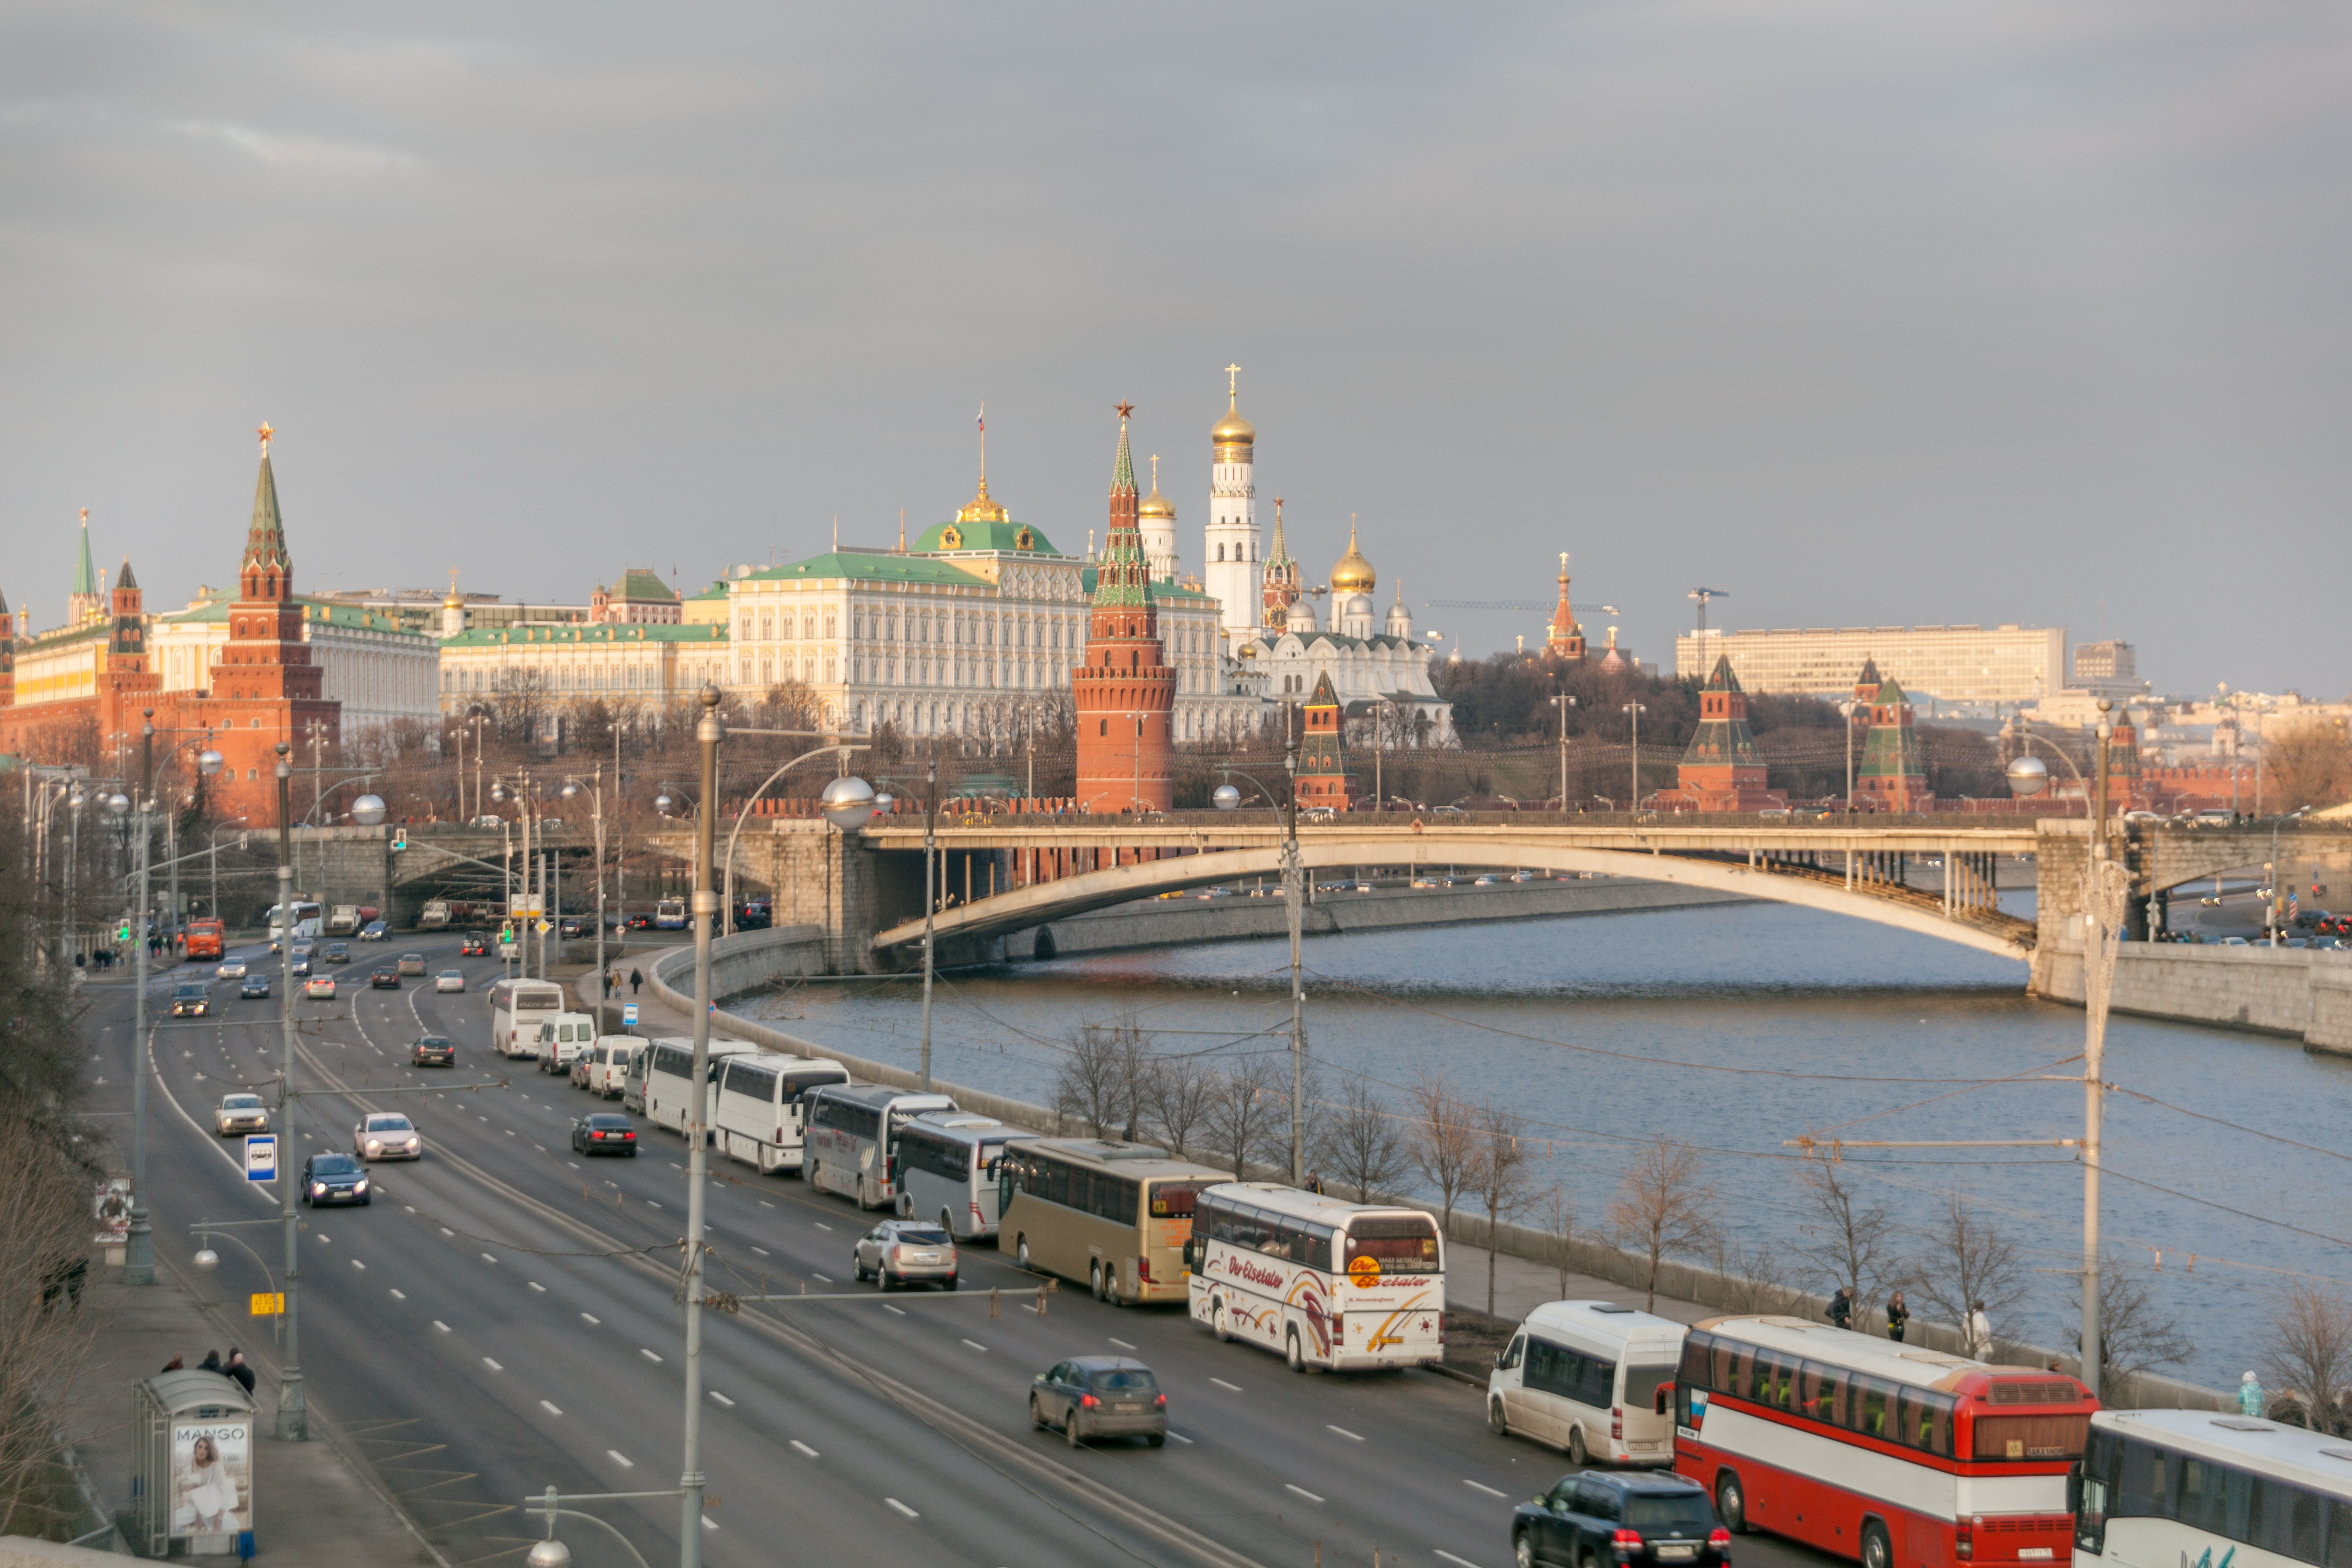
point(1951, 668)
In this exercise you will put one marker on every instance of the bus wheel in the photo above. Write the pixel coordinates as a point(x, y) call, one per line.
point(1217, 1322)
point(944, 1224)
point(1094, 1280)
point(1021, 1251)
point(1731, 1503)
point(1878, 1552)
point(1577, 1455)
point(1293, 1354)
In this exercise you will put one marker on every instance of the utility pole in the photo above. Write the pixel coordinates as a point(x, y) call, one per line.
point(1294, 892)
point(293, 1411)
point(930, 902)
point(139, 1256)
point(1563, 703)
point(1636, 710)
point(707, 732)
point(2099, 917)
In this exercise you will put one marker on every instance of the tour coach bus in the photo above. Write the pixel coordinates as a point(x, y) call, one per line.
point(760, 1115)
point(853, 1138)
point(1116, 1216)
point(2165, 1487)
point(947, 1166)
point(1870, 1449)
point(669, 1079)
point(1351, 1286)
point(518, 1007)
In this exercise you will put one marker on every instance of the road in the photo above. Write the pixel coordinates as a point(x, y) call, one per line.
point(502, 1319)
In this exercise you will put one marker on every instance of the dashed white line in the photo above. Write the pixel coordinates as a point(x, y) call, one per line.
point(590, 1318)
point(722, 1399)
point(619, 1458)
point(902, 1508)
point(709, 1523)
point(1182, 1438)
point(1122, 1344)
point(821, 1279)
point(358, 1265)
point(573, 1163)
point(805, 1448)
point(536, 1286)
point(819, 1225)
point(900, 1311)
point(1228, 1387)
point(647, 1354)
point(763, 1252)
point(1302, 1491)
point(488, 1259)
point(491, 1365)
point(399, 1295)
point(440, 1325)
point(1351, 1437)
point(1464, 1562)
point(766, 1205)
point(1482, 1487)
point(447, 1231)
point(654, 1205)
point(551, 1409)
point(978, 1346)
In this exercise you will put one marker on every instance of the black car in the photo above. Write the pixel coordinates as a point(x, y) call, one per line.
point(1654, 1520)
point(434, 1051)
point(254, 986)
point(604, 1134)
point(386, 979)
point(191, 1001)
point(333, 1179)
point(476, 945)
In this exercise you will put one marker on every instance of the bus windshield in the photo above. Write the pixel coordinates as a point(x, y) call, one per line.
point(1173, 1200)
point(1399, 1241)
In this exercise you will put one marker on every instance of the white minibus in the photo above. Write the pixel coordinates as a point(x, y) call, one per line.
point(562, 1036)
point(760, 1118)
point(669, 1078)
point(1584, 1376)
point(518, 1007)
point(947, 1166)
point(1319, 1280)
point(852, 1132)
point(603, 1067)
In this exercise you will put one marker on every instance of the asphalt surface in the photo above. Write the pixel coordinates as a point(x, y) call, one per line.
point(502, 1318)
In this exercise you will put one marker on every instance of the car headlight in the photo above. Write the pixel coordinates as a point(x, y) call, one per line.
point(412, 1145)
point(374, 1147)
point(359, 1187)
point(318, 1189)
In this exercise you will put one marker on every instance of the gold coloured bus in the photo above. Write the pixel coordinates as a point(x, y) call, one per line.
point(1115, 1215)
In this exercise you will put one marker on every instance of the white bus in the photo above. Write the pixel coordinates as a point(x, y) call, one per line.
point(669, 1078)
point(2159, 1487)
point(947, 1166)
point(1322, 1281)
point(518, 1007)
point(306, 923)
point(853, 1133)
point(759, 1118)
point(1584, 1376)
point(669, 914)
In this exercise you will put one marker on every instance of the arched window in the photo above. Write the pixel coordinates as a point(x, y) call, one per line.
point(1221, 554)
point(1103, 728)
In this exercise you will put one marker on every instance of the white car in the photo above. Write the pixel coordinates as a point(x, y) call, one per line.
point(240, 1113)
point(386, 1135)
point(449, 980)
point(231, 969)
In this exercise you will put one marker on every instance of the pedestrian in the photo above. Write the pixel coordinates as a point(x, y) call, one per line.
point(237, 1367)
point(1898, 1317)
point(607, 979)
point(2250, 1398)
point(637, 978)
point(210, 1361)
point(1842, 1307)
point(1979, 1331)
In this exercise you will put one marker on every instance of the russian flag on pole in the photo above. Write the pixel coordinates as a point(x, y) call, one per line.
point(982, 420)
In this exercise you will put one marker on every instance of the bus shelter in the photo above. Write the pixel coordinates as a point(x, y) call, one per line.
point(191, 1476)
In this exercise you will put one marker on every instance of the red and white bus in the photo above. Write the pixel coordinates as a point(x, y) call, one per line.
point(1901, 1457)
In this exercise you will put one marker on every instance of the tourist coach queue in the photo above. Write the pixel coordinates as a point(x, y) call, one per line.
point(1888, 1453)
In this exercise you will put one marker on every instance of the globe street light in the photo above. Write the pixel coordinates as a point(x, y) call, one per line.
point(849, 803)
point(1225, 797)
point(2027, 775)
point(368, 811)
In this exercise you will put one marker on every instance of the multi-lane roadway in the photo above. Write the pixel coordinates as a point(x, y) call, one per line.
point(503, 1318)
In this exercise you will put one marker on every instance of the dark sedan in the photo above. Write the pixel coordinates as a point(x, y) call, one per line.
point(1652, 1519)
point(191, 1001)
point(604, 1134)
point(333, 1179)
point(254, 986)
point(1092, 1396)
point(476, 945)
point(434, 1051)
point(385, 979)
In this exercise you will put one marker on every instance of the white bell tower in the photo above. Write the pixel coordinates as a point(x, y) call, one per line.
point(1230, 563)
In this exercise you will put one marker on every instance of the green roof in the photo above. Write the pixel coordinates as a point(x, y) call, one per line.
point(1163, 589)
point(1011, 537)
point(718, 590)
point(85, 570)
point(316, 611)
point(861, 567)
point(573, 636)
point(637, 583)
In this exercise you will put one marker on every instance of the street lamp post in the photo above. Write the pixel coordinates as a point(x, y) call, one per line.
point(930, 903)
point(1227, 798)
point(1563, 701)
point(1846, 709)
point(1636, 710)
point(708, 734)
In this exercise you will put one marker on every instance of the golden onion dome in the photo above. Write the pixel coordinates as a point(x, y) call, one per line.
point(1353, 573)
point(1233, 430)
point(1155, 504)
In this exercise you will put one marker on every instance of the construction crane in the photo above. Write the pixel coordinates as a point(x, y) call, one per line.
point(1512, 605)
point(1703, 595)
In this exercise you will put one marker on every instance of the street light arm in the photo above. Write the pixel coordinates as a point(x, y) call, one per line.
point(754, 799)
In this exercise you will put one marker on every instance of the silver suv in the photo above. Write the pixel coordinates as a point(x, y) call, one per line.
point(902, 1251)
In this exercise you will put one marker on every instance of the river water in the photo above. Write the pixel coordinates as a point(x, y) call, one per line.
point(1736, 1028)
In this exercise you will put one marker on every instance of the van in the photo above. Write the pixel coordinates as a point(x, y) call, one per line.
point(1585, 1376)
point(562, 1038)
point(602, 1068)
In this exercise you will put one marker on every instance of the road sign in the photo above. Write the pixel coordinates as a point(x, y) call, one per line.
point(526, 903)
point(269, 1304)
point(628, 1014)
point(542, 927)
point(261, 1157)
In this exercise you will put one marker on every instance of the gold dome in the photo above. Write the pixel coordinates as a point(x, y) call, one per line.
point(1353, 573)
point(1233, 430)
point(1155, 504)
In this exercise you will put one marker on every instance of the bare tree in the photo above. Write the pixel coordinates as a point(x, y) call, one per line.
point(1244, 1112)
point(1664, 1205)
point(1969, 1264)
point(1847, 1239)
point(1362, 1145)
point(2135, 1333)
point(2307, 1353)
point(1444, 1141)
point(1088, 1086)
point(1555, 1214)
point(1177, 1091)
point(1754, 1282)
point(1498, 1174)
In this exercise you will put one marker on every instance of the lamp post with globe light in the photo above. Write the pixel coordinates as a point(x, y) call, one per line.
point(1227, 798)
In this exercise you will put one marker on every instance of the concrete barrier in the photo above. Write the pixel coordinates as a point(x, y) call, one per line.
point(2304, 994)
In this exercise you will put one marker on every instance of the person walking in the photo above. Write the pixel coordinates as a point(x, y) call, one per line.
point(2250, 1398)
point(237, 1367)
point(1842, 1307)
point(1979, 1331)
point(637, 978)
point(1898, 1317)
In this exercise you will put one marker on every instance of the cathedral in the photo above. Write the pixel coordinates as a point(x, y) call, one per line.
point(1378, 672)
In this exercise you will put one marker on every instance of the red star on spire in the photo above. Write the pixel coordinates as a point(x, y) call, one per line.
point(1125, 409)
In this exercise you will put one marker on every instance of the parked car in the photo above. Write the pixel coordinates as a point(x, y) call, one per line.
point(230, 969)
point(190, 1000)
point(374, 930)
point(1092, 1396)
point(604, 1134)
point(433, 1051)
point(253, 985)
point(240, 1113)
point(320, 987)
point(386, 1135)
point(1489, 880)
point(384, 979)
point(902, 1251)
point(334, 1179)
point(1647, 1519)
point(411, 963)
point(476, 945)
point(450, 980)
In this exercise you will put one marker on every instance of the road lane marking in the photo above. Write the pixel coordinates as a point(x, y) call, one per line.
point(1182, 1438)
point(819, 1225)
point(901, 1312)
point(762, 1252)
point(551, 1409)
point(589, 1318)
point(536, 1286)
point(1462, 1561)
point(647, 1354)
point(1482, 1487)
point(722, 1399)
point(650, 1201)
point(491, 1365)
point(398, 1296)
point(805, 1448)
point(573, 1163)
point(440, 1325)
point(709, 1523)
point(488, 1259)
point(902, 1508)
point(357, 1264)
point(619, 1458)
point(766, 1205)
point(821, 1279)
point(1122, 1344)
point(978, 1346)
point(1302, 1491)
point(1351, 1437)
point(1228, 1387)
point(447, 1231)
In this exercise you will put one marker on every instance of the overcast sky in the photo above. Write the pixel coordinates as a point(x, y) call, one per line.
point(1866, 313)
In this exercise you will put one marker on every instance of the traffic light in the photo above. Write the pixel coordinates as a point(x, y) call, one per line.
point(400, 839)
point(123, 931)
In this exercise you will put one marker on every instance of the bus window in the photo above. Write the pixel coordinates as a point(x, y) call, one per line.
point(1821, 1393)
point(1403, 1243)
point(1925, 1421)
point(1870, 1402)
point(1173, 1200)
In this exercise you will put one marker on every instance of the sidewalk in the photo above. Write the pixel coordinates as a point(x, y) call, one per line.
point(313, 1503)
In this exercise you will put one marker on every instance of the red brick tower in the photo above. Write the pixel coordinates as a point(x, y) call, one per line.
point(7, 655)
point(127, 685)
point(265, 688)
point(1125, 692)
point(1323, 752)
point(1721, 770)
